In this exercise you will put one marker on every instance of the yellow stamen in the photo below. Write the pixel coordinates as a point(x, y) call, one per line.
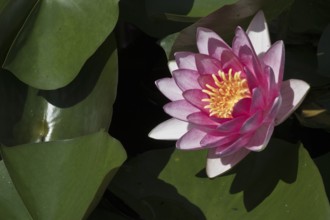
point(228, 90)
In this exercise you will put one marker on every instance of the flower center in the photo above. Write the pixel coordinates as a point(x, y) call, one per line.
point(225, 94)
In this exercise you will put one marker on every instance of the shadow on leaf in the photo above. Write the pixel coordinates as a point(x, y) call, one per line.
point(86, 80)
point(139, 186)
point(262, 172)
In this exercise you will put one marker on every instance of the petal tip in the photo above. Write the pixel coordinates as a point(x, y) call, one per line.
point(172, 129)
point(172, 65)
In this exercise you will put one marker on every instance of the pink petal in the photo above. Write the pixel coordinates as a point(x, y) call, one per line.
point(230, 61)
point(185, 60)
point(217, 165)
point(191, 140)
point(261, 137)
point(233, 147)
point(211, 141)
point(216, 47)
point(207, 65)
point(203, 80)
point(171, 129)
point(259, 34)
point(293, 92)
point(274, 58)
point(252, 123)
point(180, 109)
point(186, 79)
point(204, 36)
point(232, 125)
point(169, 88)
point(274, 109)
point(242, 41)
point(257, 100)
point(243, 48)
point(195, 96)
point(201, 118)
point(242, 107)
point(251, 79)
point(272, 88)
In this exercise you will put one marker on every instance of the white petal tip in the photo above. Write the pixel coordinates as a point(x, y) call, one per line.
point(171, 129)
point(293, 92)
point(172, 65)
point(258, 33)
point(216, 166)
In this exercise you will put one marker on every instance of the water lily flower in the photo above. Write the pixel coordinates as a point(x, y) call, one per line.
point(228, 99)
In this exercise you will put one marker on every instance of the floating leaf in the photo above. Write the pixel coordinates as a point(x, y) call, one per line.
point(167, 43)
point(11, 204)
point(13, 15)
point(278, 181)
point(323, 163)
point(57, 38)
point(82, 107)
point(60, 179)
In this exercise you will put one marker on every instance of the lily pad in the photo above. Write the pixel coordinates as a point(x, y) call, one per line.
point(323, 163)
point(13, 15)
point(82, 107)
point(273, 184)
point(57, 38)
point(59, 179)
point(11, 204)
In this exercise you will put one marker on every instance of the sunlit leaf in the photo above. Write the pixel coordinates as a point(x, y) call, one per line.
point(82, 107)
point(56, 40)
point(323, 163)
point(167, 43)
point(281, 182)
point(60, 179)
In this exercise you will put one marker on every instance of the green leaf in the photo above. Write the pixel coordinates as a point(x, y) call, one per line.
point(323, 163)
point(167, 43)
point(281, 182)
point(60, 179)
point(160, 18)
point(82, 107)
point(3, 3)
point(13, 15)
point(56, 40)
point(226, 19)
point(11, 205)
